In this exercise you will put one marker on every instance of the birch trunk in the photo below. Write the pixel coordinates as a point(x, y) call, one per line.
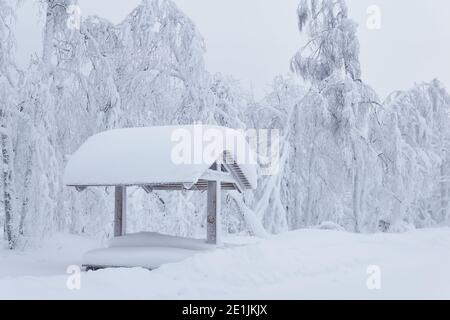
point(250, 217)
point(26, 197)
point(8, 184)
point(48, 36)
point(357, 187)
point(444, 193)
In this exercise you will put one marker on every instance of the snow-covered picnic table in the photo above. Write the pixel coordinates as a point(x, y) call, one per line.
point(146, 249)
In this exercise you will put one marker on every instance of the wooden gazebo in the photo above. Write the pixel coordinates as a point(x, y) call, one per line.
point(150, 158)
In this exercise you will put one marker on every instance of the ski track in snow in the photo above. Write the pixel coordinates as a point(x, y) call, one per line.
point(305, 264)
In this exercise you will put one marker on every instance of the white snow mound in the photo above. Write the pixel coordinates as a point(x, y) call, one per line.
point(146, 249)
point(144, 156)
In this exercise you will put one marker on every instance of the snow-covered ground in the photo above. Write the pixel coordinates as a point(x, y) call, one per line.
point(306, 264)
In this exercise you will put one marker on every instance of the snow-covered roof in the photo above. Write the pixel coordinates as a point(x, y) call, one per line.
point(160, 155)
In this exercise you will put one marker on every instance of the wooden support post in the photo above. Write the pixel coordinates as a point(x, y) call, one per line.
point(214, 208)
point(120, 211)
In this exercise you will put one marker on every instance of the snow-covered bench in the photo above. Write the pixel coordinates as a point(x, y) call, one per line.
point(146, 249)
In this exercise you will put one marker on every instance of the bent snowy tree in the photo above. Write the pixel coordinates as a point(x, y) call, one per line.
point(183, 158)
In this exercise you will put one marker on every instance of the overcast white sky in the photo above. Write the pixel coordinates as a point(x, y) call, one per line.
point(253, 40)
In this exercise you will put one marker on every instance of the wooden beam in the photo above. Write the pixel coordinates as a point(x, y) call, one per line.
point(201, 185)
point(213, 212)
point(120, 211)
point(147, 189)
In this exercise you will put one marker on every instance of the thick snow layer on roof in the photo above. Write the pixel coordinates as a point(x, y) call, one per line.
point(156, 155)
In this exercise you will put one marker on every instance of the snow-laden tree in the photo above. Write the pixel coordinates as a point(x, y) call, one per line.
point(38, 159)
point(275, 198)
point(8, 117)
point(376, 163)
point(55, 119)
point(102, 49)
point(161, 59)
point(229, 102)
point(419, 159)
point(332, 47)
point(330, 62)
point(333, 122)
